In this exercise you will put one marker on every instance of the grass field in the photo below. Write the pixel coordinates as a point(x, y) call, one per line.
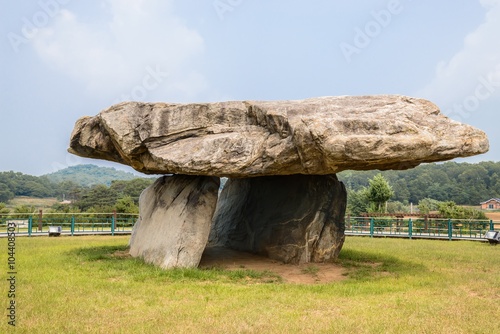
point(88, 285)
point(37, 203)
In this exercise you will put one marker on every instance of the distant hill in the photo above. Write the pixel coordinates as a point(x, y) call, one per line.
point(89, 175)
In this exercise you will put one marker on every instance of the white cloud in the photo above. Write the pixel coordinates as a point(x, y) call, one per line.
point(460, 80)
point(489, 3)
point(113, 54)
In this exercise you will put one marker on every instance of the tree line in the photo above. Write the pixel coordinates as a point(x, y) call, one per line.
point(462, 183)
point(18, 184)
point(120, 195)
point(375, 199)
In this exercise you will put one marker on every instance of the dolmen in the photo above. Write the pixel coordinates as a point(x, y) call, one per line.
point(282, 198)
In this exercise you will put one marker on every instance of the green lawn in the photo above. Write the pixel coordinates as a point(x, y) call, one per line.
point(86, 285)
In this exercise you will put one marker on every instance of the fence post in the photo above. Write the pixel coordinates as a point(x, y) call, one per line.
point(113, 221)
point(410, 228)
point(450, 229)
point(492, 227)
point(30, 225)
point(40, 217)
point(72, 225)
point(372, 227)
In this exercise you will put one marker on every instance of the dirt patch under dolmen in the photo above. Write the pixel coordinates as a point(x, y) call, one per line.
point(306, 273)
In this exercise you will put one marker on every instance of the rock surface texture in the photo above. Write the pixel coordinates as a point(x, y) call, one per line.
point(316, 136)
point(175, 219)
point(294, 219)
point(282, 199)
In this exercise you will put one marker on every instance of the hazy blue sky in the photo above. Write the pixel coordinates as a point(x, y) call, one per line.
point(63, 59)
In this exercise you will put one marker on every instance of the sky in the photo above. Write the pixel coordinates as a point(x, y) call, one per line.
point(64, 59)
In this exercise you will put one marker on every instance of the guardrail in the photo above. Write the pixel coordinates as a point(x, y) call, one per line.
point(418, 227)
point(71, 223)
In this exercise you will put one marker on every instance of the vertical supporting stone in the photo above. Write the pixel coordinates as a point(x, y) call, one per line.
point(294, 218)
point(174, 222)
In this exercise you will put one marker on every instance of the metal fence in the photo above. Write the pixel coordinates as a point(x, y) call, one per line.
point(71, 224)
point(119, 223)
point(418, 227)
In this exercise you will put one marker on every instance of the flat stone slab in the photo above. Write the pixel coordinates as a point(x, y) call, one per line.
point(256, 138)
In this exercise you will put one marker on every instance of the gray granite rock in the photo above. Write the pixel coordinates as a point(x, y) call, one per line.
point(174, 222)
point(317, 136)
point(294, 219)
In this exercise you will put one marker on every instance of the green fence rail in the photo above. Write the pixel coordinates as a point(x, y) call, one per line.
point(118, 223)
point(71, 224)
point(418, 227)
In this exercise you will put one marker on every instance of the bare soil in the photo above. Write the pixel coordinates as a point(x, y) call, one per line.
point(493, 215)
point(307, 273)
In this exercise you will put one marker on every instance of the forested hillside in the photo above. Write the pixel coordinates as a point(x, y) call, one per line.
point(19, 184)
point(89, 175)
point(68, 183)
point(463, 183)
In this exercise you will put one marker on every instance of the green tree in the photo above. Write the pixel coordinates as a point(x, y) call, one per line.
point(450, 210)
point(98, 197)
point(397, 207)
point(132, 188)
point(357, 202)
point(403, 193)
point(427, 205)
point(126, 205)
point(379, 192)
point(100, 209)
point(5, 193)
point(69, 190)
point(24, 211)
point(64, 208)
point(3, 209)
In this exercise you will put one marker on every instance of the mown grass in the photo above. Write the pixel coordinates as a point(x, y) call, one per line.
point(88, 285)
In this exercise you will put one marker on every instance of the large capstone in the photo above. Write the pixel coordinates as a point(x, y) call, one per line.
point(174, 222)
point(294, 219)
point(317, 136)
